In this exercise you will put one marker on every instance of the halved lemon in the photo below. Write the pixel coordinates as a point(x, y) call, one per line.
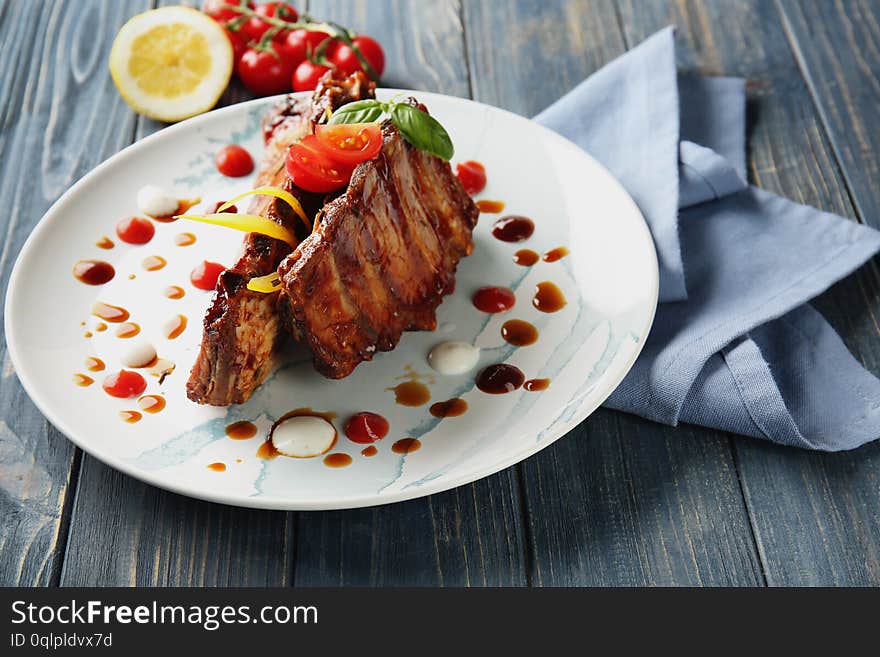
point(171, 63)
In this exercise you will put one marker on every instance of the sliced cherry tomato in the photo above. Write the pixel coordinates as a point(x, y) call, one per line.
point(234, 161)
point(205, 275)
point(472, 176)
point(220, 10)
point(344, 58)
point(135, 230)
point(263, 72)
point(124, 384)
point(350, 143)
point(312, 169)
point(307, 75)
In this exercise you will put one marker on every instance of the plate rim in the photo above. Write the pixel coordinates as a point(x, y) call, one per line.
point(438, 485)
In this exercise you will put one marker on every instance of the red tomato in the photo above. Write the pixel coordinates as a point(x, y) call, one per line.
point(234, 161)
point(255, 27)
point(307, 75)
point(350, 143)
point(238, 41)
point(135, 230)
point(311, 169)
point(124, 384)
point(219, 9)
point(264, 73)
point(205, 275)
point(472, 176)
point(345, 59)
point(296, 45)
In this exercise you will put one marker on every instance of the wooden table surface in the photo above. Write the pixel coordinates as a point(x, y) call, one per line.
point(619, 500)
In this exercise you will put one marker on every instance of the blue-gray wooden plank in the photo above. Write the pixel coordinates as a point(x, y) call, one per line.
point(619, 500)
point(815, 516)
point(59, 117)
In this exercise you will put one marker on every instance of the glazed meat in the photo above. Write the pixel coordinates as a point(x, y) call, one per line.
point(382, 258)
point(243, 331)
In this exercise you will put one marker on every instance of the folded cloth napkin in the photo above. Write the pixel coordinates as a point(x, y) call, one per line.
point(734, 345)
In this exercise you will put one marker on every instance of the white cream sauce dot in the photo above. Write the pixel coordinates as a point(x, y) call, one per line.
point(140, 354)
point(303, 436)
point(154, 201)
point(454, 357)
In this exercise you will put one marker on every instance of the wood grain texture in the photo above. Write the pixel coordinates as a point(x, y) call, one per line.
point(59, 117)
point(619, 500)
point(814, 515)
point(125, 532)
point(469, 536)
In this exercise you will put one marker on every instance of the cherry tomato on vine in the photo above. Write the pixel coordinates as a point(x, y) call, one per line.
point(234, 161)
point(297, 44)
point(255, 27)
point(310, 168)
point(350, 143)
point(345, 59)
point(472, 176)
point(219, 9)
point(264, 72)
point(306, 75)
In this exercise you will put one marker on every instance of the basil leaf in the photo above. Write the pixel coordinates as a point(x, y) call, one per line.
point(360, 111)
point(422, 130)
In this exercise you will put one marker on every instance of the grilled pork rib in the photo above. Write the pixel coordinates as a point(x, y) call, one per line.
point(382, 258)
point(242, 329)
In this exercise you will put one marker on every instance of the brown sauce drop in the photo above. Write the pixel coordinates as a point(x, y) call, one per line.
point(241, 430)
point(87, 334)
point(175, 327)
point(369, 451)
point(406, 445)
point(93, 272)
point(101, 327)
point(154, 263)
point(184, 239)
point(500, 378)
point(128, 330)
point(411, 393)
point(82, 380)
point(556, 254)
point(519, 333)
point(526, 257)
point(513, 228)
point(267, 450)
point(131, 277)
point(112, 314)
point(492, 207)
point(174, 292)
point(494, 299)
point(548, 297)
point(94, 364)
point(105, 243)
point(534, 385)
point(337, 460)
point(130, 416)
point(183, 205)
point(217, 467)
point(151, 403)
point(449, 408)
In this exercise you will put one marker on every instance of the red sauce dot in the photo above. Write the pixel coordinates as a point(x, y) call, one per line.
point(366, 427)
point(493, 299)
point(234, 161)
point(124, 384)
point(472, 175)
point(135, 230)
point(205, 275)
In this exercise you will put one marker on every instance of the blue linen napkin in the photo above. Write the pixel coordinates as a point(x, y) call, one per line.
point(734, 345)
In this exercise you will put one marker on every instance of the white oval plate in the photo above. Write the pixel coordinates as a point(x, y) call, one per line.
point(610, 280)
